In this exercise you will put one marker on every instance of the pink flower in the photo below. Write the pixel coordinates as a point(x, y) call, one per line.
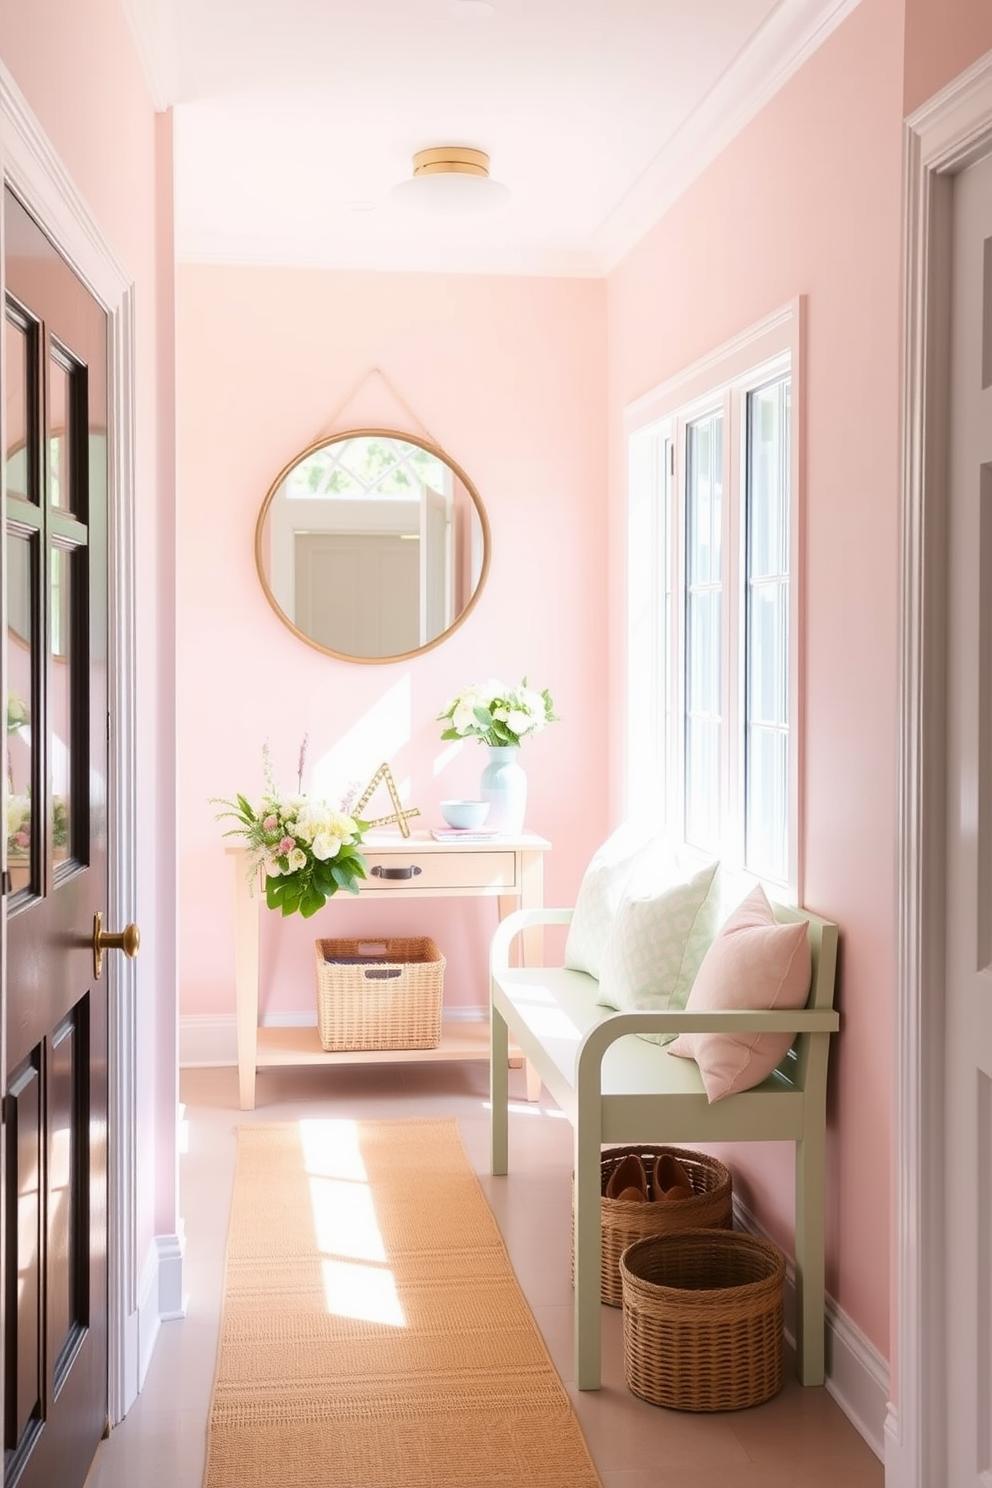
point(270, 823)
point(286, 845)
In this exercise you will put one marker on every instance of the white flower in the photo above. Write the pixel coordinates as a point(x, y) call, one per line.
point(297, 860)
point(463, 718)
point(533, 703)
point(517, 721)
point(272, 868)
point(325, 845)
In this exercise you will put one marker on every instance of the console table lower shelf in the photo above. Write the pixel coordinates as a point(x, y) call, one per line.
point(460, 1039)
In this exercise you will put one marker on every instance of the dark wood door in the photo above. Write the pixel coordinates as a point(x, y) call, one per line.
point(55, 1103)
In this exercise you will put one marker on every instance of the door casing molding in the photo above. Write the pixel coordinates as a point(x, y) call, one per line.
point(950, 132)
point(33, 170)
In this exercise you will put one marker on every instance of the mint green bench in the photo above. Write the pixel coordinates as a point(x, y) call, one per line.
point(617, 1088)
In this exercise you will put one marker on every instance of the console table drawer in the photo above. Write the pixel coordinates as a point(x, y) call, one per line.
point(451, 872)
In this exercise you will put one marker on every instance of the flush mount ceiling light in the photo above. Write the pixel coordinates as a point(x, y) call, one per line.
point(451, 178)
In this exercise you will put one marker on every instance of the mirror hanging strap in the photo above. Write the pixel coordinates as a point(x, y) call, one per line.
point(329, 429)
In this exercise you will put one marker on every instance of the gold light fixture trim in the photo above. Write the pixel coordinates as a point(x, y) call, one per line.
point(451, 160)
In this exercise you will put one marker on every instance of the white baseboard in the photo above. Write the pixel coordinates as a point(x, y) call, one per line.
point(207, 1040)
point(210, 1040)
point(171, 1257)
point(129, 1377)
point(161, 1296)
point(857, 1375)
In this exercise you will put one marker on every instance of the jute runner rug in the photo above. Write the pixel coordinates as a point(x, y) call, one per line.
point(373, 1334)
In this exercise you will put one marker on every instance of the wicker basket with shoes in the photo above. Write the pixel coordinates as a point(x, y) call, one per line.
point(650, 1190)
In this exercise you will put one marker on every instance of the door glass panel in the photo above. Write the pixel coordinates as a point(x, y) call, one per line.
point(67, 1162)
point(16, 422)
point(22, 856)
point(60, 705)
point(22, 1335)
point(60, 493)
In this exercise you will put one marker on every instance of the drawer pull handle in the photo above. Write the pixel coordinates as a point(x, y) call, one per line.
point(377, 871)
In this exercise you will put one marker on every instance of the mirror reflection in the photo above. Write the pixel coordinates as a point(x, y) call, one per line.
point(372, 545)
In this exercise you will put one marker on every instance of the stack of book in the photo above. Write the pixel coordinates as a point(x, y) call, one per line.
point(464, 834)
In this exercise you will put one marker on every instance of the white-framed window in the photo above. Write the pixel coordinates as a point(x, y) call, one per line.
point(714, 692)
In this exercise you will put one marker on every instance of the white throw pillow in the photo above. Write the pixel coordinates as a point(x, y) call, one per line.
point(658, 942)
point(610, 869)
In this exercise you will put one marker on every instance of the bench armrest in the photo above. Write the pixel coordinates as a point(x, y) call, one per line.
point(513, 925)
point(730, 1020)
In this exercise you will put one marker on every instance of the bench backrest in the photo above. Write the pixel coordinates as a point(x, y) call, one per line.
point(796, 1067)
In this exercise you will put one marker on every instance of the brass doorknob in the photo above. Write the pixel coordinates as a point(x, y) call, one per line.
point(127, 940)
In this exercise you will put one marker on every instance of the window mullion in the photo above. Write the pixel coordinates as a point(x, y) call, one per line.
point(676, 798)
point(734, 629)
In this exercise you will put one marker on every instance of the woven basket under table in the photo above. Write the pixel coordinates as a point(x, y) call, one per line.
point(624, 1222)
point(379, 994)
point(703, 1319)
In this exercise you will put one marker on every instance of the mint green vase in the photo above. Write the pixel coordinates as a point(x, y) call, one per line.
point(504, 786)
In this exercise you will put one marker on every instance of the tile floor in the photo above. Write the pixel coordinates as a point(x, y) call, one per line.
point(800, 1439)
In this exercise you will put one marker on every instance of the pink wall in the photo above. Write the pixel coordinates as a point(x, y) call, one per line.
point(807, 202)
point(943, 38)
point(100, 119)
point(508, 376)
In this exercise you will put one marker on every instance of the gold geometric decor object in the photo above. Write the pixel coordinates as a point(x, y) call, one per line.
point(400, 814)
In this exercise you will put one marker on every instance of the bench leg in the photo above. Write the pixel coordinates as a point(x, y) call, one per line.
point(499, 1089)
point(588, 1252)
point(533, 1082)
point(810, 1260)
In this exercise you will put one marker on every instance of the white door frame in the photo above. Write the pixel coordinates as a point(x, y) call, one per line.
point(29, 164)
point(947, 134)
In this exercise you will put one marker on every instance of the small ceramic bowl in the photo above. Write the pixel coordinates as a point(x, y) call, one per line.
point(465, 814)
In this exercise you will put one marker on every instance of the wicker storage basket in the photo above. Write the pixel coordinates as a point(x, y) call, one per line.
point(379, 994)
point(703, 1319)
point(711, 1205)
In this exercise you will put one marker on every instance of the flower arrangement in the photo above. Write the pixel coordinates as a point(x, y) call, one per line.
point(306, 848)
point(18, 714)
point(497, 714)
point(19, 822)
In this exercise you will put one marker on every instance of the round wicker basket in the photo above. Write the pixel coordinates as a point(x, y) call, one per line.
point(624, 1222)
point(703, 1319)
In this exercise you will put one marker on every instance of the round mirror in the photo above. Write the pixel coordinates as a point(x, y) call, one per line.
point(372, 545)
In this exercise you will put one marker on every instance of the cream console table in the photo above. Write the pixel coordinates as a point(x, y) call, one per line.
point(508, 869)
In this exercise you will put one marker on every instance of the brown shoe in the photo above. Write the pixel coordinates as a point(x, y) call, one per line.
point(628, 1182)
point(670, 1179)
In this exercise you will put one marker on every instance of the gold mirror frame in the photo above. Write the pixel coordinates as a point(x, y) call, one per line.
point(373, 433)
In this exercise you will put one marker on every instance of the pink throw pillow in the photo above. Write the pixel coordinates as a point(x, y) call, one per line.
point(754, 962)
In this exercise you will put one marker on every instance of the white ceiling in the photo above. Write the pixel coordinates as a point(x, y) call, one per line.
point(595, 113)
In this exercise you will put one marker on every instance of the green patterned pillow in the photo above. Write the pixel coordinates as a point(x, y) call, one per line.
point(658, 942)
point(628, 851)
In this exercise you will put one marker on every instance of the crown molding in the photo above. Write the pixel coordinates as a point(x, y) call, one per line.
point(272, 251)
point(788, 38)
point(152, 24)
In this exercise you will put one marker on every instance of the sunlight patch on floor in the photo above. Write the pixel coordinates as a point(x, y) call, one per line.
point(357, 1281)
point(528, 1108)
